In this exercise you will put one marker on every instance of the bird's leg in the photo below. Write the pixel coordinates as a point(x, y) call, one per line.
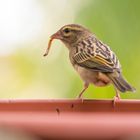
point(117, 97)
point(81, 93)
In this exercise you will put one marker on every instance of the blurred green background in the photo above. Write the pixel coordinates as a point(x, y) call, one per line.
point(25, 28)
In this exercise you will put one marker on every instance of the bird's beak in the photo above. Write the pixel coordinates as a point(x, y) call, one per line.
point(57, 35)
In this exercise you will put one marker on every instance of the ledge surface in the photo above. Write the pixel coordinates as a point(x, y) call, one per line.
point(73, 119)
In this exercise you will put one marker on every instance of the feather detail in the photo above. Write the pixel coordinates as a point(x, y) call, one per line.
point(94, 51)
point(121, 84)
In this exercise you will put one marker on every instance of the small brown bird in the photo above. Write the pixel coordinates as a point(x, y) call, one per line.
point(95, 62)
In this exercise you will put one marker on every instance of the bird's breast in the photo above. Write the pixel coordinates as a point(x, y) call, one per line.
point(86, 74)
point(93, 77)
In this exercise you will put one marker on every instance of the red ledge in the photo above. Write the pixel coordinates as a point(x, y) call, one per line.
point(73, 119)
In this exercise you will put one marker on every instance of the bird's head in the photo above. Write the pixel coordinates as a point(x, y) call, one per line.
point(69, 35)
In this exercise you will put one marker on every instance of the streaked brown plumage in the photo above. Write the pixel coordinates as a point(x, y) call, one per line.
point(95, 62)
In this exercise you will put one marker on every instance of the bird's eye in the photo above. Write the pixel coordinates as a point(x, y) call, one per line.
point(66, 30)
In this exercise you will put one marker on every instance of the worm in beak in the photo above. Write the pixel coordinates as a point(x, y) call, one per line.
point(54, 36)
point(48, 48)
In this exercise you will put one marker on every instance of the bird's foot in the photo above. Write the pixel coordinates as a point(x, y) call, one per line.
point(116, 98)
point(80, 98)
point(81, 93)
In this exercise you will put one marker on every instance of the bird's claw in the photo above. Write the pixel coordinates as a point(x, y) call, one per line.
point(116, 98)
point(80, 98)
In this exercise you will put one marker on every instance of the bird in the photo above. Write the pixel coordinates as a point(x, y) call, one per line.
point(94, 61)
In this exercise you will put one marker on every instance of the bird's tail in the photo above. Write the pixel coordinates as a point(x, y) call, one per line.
point(121, 84)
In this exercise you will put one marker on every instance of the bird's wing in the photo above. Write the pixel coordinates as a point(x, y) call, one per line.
point(93, 54)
